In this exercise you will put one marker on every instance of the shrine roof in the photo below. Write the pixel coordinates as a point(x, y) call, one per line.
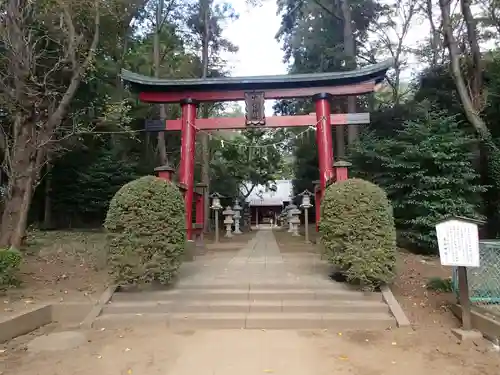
point(144, 83)
point(262, 196)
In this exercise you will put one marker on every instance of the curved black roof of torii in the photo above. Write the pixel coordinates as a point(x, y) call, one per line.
point(144, 83)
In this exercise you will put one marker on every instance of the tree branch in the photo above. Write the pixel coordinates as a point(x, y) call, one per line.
point(56, 118)
point(470, 111)
point(331, 12)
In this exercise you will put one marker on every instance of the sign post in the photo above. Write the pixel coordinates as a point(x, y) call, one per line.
point(458, 241)
point(463, 293)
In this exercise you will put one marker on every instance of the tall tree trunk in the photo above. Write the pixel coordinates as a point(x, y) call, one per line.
point(350, 59)
point(26, 175)
point(36, 165)
point(476, 86)
point(19, 180)
point(32, 135)
point(471, 112)
point(162, 146)
point(205, 144)
point(17, 236)
point(28, 153)
point(435, 38)
point(12, 211)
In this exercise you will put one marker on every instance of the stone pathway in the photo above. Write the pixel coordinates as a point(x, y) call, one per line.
point(256, 288)
point(259, 262)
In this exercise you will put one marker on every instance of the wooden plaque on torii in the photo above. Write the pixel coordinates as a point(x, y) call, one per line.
point(255, 108)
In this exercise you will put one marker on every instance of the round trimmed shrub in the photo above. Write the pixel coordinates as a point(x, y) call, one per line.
point(357, 231)
point(146, 232)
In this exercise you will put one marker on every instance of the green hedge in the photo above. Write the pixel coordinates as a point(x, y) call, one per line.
point(358, 233)
point(146, 232)
point(10, 261)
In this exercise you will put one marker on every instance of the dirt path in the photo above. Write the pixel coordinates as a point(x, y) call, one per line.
point(156, 350)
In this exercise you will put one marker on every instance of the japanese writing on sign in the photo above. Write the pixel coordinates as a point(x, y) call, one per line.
point(458, 243)
point(255, 108)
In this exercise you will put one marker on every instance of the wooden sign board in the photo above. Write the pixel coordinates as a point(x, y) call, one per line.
point(255, 108)
point(458, 242)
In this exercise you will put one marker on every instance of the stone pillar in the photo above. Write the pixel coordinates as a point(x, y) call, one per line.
point(291, 212)
point(317, 200)
point(237, 216)
point(295, 220)
point(306, 205)
point(216, 206)
point(295, 226)
point(200, 207)
point(228, 221)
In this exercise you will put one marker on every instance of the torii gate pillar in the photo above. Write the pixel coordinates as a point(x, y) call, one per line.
point(186, 168)
point(325, 145)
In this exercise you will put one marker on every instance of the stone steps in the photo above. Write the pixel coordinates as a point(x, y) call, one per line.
point(244, 306)
point(224, 285)
point(280, 320)
point(255, 289)
point(249, 306)
point(247, 295)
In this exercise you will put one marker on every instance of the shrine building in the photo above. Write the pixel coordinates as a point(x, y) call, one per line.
point(267, 202)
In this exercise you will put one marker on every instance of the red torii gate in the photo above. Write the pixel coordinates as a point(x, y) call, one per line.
point(254, 91)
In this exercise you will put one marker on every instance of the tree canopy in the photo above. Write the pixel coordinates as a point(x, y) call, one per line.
point(73, 134)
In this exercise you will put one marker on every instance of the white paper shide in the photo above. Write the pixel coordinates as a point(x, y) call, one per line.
point(458, 243)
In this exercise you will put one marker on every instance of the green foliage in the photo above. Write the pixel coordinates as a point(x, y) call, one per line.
point(357, 231)
point(85, 181)
point(438, 284)
point(238, 160)
point(305, 164)
point(10, 261)
point(90, 165)
point(490, 148)
point(312, 39)
point(436, 85)
point(384, 122)
point(427, 171)
point(146, 227)
point(312, 32)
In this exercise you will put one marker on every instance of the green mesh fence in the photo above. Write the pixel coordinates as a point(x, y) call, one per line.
point(484, 281)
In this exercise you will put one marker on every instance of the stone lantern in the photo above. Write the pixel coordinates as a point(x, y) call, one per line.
point(282, 218)
point(228, 221)
point(306, 205)
point(216, 206)
point(294, 220)
point(237, 216)
point(290, 208)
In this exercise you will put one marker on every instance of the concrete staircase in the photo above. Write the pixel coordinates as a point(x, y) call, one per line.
point(256, 288)
point(250, 306)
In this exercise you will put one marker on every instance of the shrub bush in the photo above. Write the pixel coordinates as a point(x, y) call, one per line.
point(426, 169)
point(358, 233)
point(10, 261)
point(146, 232)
